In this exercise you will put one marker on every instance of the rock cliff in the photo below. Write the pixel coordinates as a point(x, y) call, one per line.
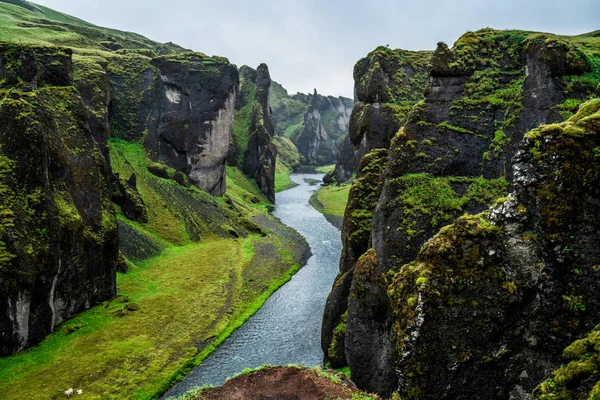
point(261, 153)
point(382, 79)
point(326, 122)
point(58, 231)
point(491, 301)
point(453, 155)
point(387, 84)
point(181, 106)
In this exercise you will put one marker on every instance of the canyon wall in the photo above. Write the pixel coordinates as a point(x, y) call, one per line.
point(455, 153)
point(58, 231)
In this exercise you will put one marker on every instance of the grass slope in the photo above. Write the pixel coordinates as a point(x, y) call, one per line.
point(173, 309)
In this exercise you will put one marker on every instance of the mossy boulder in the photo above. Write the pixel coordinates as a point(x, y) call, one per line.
point(579, 377)
point(126, 195)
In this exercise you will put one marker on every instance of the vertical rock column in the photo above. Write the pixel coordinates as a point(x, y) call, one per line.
point(260, 155)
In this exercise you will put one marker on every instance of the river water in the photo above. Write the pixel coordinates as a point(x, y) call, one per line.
point(287, 329)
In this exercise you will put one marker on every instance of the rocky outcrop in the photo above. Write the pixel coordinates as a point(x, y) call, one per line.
point(387, 84)
point(491, 301)
point(344, 166)
point(356, 233)
point(455, 155)
point(182, 108)
point(261, 153)
point(325, 123)
point(469, 126)
point(384, 75)
point(58, 231)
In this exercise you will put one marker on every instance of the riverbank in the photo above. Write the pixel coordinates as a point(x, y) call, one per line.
point(331, 201)
point(273, 335)
point(172, 309)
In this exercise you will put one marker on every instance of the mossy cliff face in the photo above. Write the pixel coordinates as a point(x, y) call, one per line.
point(387, 84)
point(578, 376)
point(58, 231)
point(326, 122)
point(483, 96)
point(182, 108)
point(356, 234)
point(452, 152)
point(261, 153)
point(380, 79)
point(490, 302)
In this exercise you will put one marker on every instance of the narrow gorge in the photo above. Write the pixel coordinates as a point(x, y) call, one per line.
point(170, 220)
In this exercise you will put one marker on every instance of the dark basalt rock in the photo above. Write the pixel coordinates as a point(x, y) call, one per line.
point(58, 231)
point(261, 153)
point(317, 143)
point(356, 233)
point(372, 127)
point(126, 195)
point(344, 166)
point(182, 106)
point(454, 153)
point(369, 329)
point(387, 83)
point(30, 67)
point(491, 301)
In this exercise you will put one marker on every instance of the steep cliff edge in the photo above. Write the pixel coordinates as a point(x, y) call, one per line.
point(491, 301)
point(58, 231)
point(164, 103)
point(253, 146)
point(454, 155)
point(326, 122)
point(388, 84)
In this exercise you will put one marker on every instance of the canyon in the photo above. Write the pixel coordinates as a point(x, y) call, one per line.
point(141, 227)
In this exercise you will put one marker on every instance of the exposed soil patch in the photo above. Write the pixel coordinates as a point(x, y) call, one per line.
point(285, 383)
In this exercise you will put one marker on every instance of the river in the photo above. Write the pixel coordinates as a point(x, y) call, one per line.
point(287, 329)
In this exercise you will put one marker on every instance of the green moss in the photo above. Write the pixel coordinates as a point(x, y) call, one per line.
point(458, 129)
point(399, 87)
point(434, 200)
point(580, 378)
point(336, 348)
point(362, 200)
point(6, 214)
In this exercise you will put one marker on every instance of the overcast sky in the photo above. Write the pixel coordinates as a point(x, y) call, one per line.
point(315, 43)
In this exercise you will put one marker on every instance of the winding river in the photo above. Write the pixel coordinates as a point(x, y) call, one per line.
point(287, 329)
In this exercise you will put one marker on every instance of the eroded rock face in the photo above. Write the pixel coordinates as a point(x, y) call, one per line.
point(491, 301)
point(182, 107)
point(387, 84)
point(455, 152)
point(384, 75)
point(260, 155)
point(58, 231)
point(325, 123)
point(356, 234)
